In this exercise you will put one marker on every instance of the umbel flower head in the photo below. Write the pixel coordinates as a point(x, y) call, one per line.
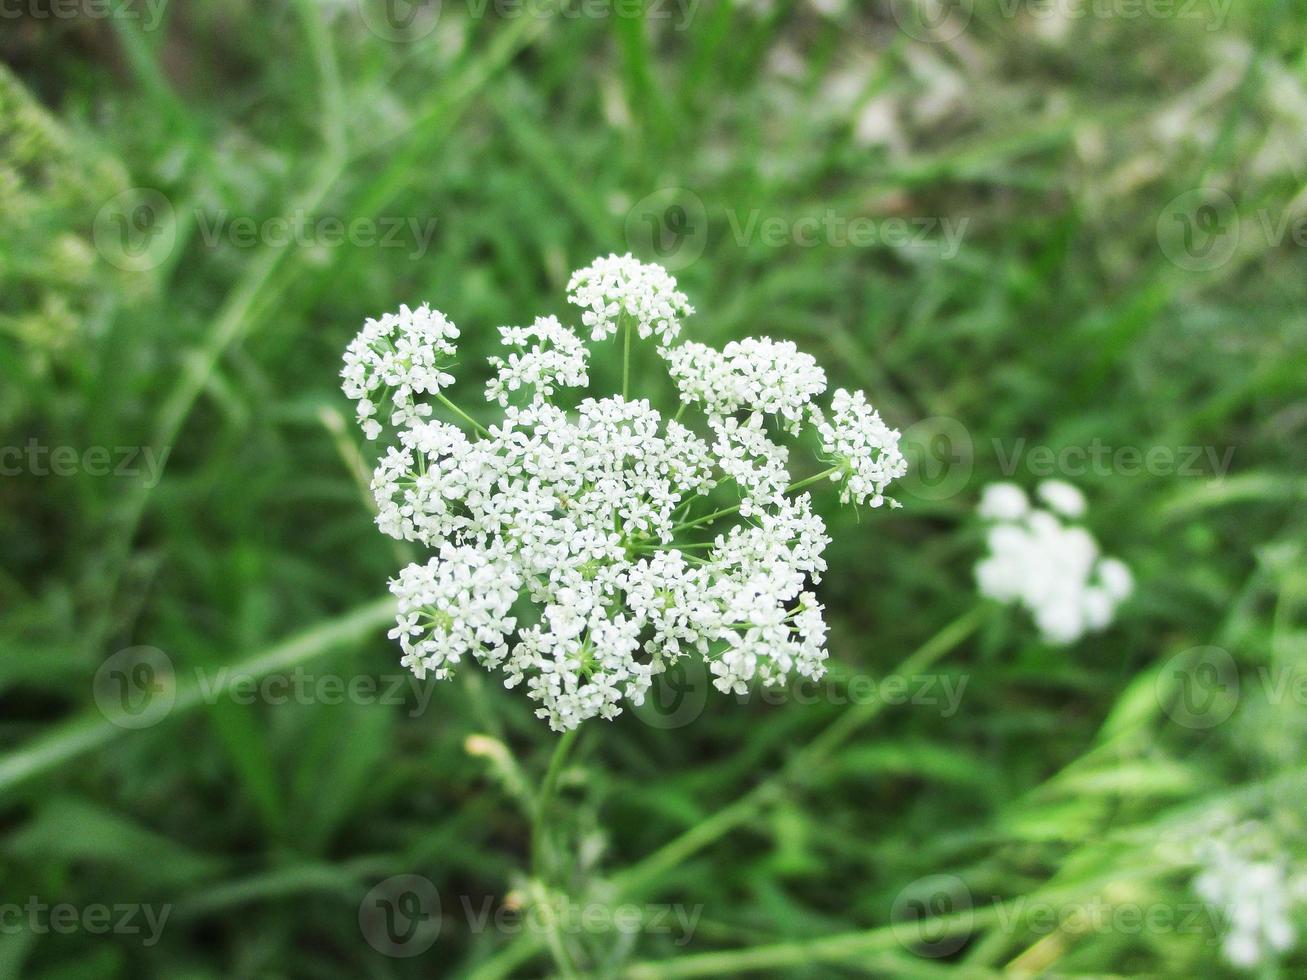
point(1246, 874)
point(1052, 569)
point(581, 543)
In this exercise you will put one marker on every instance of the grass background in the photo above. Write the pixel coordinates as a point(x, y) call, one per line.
point(534, 138)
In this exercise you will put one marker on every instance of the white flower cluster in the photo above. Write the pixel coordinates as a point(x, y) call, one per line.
point(1052, 569)
point(1244, 878)
point(865, 446)
point(392, 359)
point(548, 356)
point(622, 286)
point(755, 375)
point(581, 550)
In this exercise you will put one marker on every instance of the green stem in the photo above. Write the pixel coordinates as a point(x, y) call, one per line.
point(544, 859)
point(792, 488)
point(481, 429)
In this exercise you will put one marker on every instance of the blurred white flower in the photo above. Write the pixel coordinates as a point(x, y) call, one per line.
point(1052, 569)
point(1062, 497)
point(1246, 876)
point(1003, 502)
point(578, 551)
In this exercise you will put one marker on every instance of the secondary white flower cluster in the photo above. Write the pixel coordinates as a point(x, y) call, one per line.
point(395, 358)
point(1245, 877)
point(582, 544)
point(755, 375)
point(1053, 569)
point(621, 285)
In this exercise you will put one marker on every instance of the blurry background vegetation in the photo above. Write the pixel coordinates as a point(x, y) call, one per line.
point(531, 139)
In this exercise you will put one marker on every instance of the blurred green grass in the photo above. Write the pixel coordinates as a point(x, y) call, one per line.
point(531, 141)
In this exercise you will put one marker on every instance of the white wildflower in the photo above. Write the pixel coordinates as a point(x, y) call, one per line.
point(1003, 502)
point(394, 358)
point(1052, 569)
point(755, 375)
point(623, 286)
point(864, 447)
point(582, 552)
point(454, 605)
point(1062, 498)
point(548, 356)
point(1246, 876)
